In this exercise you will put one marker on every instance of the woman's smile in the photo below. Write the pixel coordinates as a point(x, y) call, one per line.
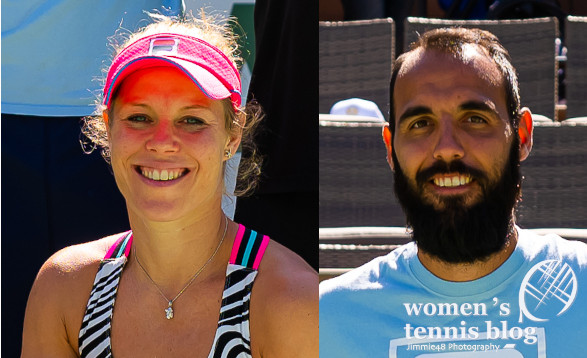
point(155, 174)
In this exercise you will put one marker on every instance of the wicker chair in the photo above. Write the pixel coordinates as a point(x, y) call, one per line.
point(344, 248)
point(554, 189)
point(356, 184)
point(356, 190)
point(531, 44)
point(576, 67)
point(355, 61)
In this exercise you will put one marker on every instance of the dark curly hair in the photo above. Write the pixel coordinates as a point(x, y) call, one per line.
point(452, 41)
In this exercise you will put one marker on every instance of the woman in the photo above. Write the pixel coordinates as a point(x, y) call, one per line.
point(180, 283)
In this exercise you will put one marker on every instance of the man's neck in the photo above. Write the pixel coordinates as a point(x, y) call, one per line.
point(462, 272)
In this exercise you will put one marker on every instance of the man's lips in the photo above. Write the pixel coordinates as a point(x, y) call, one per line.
point(451, 180)
point(158, 174)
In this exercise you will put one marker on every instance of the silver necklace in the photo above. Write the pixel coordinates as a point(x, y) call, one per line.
point(169, 309)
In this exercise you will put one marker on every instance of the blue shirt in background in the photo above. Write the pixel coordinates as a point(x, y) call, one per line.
point(53, 52)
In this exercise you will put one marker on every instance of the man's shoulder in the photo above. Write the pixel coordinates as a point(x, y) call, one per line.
point(549, 246)
point(548, 241)
point(374, 275)
point(358, 298)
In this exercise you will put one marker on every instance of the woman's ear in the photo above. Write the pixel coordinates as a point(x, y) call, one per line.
point(386, 134)
point(235, 135)
point(106, 118)
point(525, 131)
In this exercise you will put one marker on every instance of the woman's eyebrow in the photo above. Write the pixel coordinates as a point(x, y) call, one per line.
point(195, 106)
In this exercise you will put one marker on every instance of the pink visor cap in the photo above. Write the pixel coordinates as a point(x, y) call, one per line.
point(207, 66)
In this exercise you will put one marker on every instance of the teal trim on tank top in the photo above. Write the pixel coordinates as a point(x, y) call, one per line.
point(249, 248)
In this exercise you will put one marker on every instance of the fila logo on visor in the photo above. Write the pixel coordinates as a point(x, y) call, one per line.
point(165, 46)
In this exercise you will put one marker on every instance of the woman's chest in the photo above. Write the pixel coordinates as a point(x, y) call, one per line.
point(140, 327)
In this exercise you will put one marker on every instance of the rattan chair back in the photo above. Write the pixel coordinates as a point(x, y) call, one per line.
point(355, 61)
point(576, 66)
point(356, 183)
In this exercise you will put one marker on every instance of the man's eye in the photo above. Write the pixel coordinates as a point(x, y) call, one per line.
point(421, 123)
point(476, 119)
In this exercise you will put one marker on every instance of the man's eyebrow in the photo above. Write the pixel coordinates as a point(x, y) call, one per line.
point(478, 106)
point(413, 112)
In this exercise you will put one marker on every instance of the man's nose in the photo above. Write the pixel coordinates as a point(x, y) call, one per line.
point(448, 145)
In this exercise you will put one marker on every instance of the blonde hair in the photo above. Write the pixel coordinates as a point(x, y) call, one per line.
point(217, 32)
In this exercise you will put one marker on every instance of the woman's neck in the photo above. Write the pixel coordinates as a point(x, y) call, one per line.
point(172, 252)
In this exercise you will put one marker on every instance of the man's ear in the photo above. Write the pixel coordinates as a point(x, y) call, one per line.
point(525, 131)
point(386, 133)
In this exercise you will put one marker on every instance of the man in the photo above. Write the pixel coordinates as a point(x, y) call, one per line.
point(472, 283)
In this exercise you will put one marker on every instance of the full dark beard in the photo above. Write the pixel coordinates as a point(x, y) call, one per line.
point(460, 234)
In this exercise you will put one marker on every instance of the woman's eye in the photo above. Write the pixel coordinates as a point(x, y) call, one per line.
point(137, 118)
point(193, 121)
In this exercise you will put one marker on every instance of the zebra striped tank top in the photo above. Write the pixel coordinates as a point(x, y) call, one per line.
point(232, 338)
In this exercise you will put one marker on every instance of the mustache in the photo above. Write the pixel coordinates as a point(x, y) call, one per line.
point(455, 166)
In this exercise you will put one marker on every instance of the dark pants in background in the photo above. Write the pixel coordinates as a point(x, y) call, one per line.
point(53, 195)
point(284, 82)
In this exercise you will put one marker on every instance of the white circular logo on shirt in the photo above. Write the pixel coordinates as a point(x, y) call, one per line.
point(548, 290)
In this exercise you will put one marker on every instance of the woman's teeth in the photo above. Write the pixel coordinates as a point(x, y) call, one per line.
point(162, 175)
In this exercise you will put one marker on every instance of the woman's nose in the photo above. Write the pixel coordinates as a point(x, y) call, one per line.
point(163, 139)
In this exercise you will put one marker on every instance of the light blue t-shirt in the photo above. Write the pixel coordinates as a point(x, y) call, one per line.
point(52, 51)
point(533, 306)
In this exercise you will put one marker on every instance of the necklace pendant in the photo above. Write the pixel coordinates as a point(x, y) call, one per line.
point(169, 311)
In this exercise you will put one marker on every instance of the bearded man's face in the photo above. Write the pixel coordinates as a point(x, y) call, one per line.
point(455, 155)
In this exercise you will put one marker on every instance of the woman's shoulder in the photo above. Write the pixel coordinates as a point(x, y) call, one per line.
point(76, 259)
point(72, 271)
point(283, 268)
point(284, 304)
point(58, 298)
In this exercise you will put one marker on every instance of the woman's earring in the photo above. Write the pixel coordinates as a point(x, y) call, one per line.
point(228, 153)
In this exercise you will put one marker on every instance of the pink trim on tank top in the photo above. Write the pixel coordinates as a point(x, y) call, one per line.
point(237, 243)
point(113, 247)
point(261, 252)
